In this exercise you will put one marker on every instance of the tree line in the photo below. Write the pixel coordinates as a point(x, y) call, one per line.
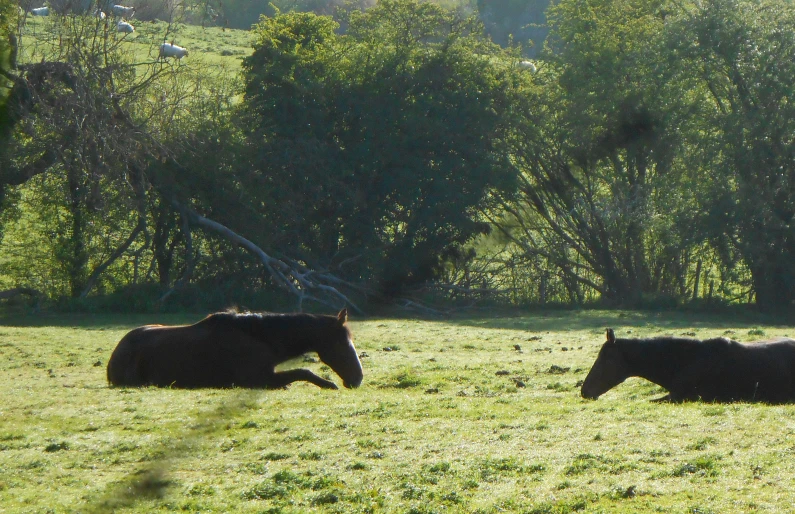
point(645, 158)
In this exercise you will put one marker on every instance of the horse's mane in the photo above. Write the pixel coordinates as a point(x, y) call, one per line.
point(680, 341)
point(671, 346)
point(263, 323)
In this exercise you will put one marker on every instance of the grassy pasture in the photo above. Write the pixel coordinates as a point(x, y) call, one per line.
point(451, 417)
point(208, 46)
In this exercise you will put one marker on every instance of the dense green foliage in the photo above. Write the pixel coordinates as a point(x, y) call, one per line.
point(381, 145)
point(627, 172)
point(6, 48)
point(606, 182)
point(521, 22)
point(743, 52)
point(393, 151)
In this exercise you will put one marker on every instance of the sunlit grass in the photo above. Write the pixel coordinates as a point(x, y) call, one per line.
point(470, 415)
point(212, 46)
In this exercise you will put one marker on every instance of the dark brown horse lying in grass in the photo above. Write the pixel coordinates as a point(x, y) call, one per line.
point(231, 349)
point(714, 370)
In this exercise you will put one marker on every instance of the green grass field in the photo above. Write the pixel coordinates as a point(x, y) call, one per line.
point(451, 417)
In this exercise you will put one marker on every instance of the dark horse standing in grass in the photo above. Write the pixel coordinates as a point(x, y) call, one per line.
point(235, 349)
point(713, 370)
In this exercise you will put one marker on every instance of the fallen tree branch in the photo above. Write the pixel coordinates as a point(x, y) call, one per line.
point(297, 280)
point(412, 305)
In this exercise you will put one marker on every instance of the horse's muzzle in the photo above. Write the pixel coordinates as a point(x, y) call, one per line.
point(353, 383)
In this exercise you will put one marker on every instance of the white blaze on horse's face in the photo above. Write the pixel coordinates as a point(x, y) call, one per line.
point(354, 371)
point(343, 359)
point(341, 355)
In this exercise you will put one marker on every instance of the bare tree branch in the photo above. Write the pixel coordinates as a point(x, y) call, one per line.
point(297, 280)
point(92, 280)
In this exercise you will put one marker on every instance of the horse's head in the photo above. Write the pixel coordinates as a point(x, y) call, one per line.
point(339, 353)
point(609, 370)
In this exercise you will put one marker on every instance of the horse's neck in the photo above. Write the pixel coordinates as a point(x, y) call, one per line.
point(657, 361)
point(297, 342)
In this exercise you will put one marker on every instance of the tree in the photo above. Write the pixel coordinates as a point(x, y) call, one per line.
point(379, 147)
point(101, 139)
point(603, 197)
point(81, 96)
point(520, 22)
point(7, 47)
point(741, 51)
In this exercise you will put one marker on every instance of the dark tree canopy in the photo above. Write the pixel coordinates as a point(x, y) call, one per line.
point(520, 22)
point(744, 51)
point(378, 147)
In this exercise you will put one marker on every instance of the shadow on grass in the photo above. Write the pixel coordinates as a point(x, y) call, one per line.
point(152, 481)
point(597, 320)
point(97, 321)
point(557, 320)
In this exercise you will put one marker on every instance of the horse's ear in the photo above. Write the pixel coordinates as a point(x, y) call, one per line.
point(342, 317)
point(611, 336)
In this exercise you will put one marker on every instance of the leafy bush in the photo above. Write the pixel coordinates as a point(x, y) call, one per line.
point(377, 163)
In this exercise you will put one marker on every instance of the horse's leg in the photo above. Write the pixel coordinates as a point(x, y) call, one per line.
point(693, 381)
point(282, 378)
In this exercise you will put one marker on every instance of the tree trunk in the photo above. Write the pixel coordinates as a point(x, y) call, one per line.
point(77, 255)
point(164, 242)
point(294, 277)
point(774, 287)
point(698, 277)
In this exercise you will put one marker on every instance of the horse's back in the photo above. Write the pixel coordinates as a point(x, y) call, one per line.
point(779, 351)
point(143, 349)
point(122, 363)
point(761, 371)
point(784, 343)
point(187, 356)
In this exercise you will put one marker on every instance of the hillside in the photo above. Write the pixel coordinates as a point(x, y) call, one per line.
point(213, 45)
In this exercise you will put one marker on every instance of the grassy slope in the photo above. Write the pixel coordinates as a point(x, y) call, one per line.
point(211, 45)
point(433, 428)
